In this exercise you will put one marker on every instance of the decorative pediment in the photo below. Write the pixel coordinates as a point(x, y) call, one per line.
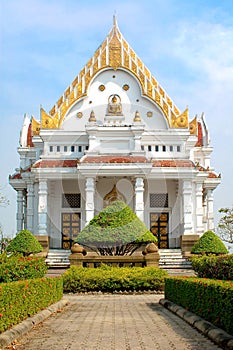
point(115, 53)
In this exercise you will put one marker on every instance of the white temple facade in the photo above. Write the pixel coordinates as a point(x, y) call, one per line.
point(115, 134)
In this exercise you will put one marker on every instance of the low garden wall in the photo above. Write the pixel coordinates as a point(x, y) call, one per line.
point(147, 257)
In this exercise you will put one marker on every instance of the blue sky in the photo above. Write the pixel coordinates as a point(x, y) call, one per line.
point(187, 45)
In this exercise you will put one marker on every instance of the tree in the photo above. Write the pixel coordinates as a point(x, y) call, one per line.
point(209, 243)
point(24, 243)
point(115, 231)
point(3, 200)
point(4, 241)
point(225, 225)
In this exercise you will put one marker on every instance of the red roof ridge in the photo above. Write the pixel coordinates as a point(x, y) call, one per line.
point(115, 159)
point(56, 163)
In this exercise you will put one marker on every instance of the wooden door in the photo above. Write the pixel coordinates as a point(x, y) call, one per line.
point(159, 228)
point(70, 228)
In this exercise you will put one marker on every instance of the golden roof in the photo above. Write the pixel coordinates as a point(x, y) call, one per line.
point(115, 53)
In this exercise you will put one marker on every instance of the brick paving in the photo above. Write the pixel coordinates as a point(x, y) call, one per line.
point(114, 322)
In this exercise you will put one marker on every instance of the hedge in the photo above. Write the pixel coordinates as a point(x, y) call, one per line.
point(21, 299)
point(216, 267)
point(210, 299)
point(24, 243)
point(209, 243)
point(112, 279)
point(16, 268)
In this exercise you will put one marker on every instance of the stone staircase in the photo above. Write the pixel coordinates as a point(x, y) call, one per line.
point(58, 258)
point(172, 261)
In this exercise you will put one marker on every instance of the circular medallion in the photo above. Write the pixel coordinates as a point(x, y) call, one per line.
point(79, 114)
point(149, 114)
point(101, 87)
point(125, 87)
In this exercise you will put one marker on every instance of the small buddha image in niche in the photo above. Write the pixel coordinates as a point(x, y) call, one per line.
point(114, 105)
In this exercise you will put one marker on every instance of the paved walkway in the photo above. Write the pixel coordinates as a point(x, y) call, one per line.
point(114, 322)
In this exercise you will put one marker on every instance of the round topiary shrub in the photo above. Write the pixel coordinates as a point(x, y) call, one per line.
point(24, 243)
point(116, 230)
point(209, 243)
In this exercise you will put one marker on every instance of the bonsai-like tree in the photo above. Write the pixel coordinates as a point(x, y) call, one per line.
point(209, 243)
point(24, 243)
point(115, 231)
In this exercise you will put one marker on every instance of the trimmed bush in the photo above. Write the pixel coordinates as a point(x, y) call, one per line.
point(21, 299)
point(115, 231)
point(24, 243)
point(210, 299)
point(216, 267)
point(209, 243)
point(112, 279)
point(15, 268)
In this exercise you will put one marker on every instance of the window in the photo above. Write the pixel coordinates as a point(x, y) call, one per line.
point(159, 200)
point(164, 148)
point(72, 148)
point(87, 147)
point(80, 148)
point(156, 148)
point(71, 200)
point(142, 148)
point(171, 148)
point(178, 149)
point(58, 148)
point(65, 148)
point(149, 148)
point(50, 148)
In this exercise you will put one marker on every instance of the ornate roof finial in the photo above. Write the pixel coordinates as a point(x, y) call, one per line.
point(114, 19)
point(137, 117)
point(92, 118)
point(115, 25)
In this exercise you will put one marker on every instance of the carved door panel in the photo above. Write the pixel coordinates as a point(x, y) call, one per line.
point(159, 228)
point(70, 228)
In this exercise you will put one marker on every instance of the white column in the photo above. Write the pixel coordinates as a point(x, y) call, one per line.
point(30, 206)
point(42, 207)
point(139, 198)
point(19, 215)
point(205, 212)
point(187, 207)
point(210, 210)
point(199, 209)
point(89, 206)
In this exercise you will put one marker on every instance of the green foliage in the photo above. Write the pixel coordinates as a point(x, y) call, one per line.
point(216, 267)
point(15, 268)
point(210, 299)
point(115, 231)
point(24, 243)
point(111, 279)
point(209, 243)
point(21, 299)
point(225, 226)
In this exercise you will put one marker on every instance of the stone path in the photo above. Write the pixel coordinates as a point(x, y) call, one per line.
point(114, 322)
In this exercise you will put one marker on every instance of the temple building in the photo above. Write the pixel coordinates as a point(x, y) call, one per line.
point(115, 134)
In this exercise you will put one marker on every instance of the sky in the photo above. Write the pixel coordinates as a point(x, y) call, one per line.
point(187, 46)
